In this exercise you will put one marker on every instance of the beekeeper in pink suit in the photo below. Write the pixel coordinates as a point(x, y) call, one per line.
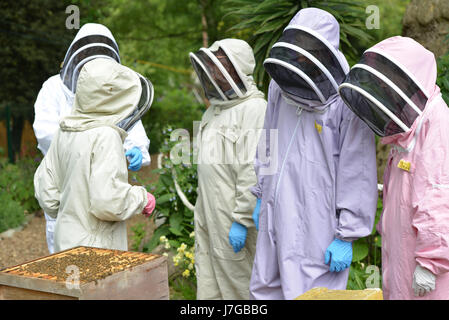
point(393, 90)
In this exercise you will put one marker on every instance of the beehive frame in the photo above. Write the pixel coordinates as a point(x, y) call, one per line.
point(130, 275)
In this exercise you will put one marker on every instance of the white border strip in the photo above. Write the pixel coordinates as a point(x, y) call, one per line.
point(377, 103)
point(90, 45)
point(75, 40)
point(310, 57)
point(223, 71)
point(390, 83)
point(198, 61)
point(299, 73)
point(344, 66)
point(234, 64)
point(397, 63)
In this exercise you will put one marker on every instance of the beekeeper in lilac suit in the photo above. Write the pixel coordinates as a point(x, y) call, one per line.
point(317, 188)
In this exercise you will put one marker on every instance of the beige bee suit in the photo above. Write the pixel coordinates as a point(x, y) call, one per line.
point(227, 142)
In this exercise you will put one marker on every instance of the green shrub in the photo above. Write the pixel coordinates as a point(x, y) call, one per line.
point(443, 76)
point(178, 225)
point(366, 263)
point(176, 107)
point(17, 181)
point(11, 212)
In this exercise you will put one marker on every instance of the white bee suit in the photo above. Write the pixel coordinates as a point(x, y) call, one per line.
point(82, 182)
point(55, 99)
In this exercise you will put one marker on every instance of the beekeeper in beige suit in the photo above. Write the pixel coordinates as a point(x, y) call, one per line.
point(225, 234)
point(83, 179)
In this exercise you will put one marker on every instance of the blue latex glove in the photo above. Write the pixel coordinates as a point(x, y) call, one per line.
point(339, 254)
point(135, 163)
point(237, 236)
point(256, 213)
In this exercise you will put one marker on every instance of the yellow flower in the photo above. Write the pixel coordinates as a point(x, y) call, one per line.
point(192, 234)
point(182, 248)
point(167, 245)
point(165, 254)
point(163, 239)
point(190, 266)
point(186, 273)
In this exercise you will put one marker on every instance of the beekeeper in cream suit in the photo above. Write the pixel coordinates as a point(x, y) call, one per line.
point(225, 235)
point(82, 182)
point(55, 100)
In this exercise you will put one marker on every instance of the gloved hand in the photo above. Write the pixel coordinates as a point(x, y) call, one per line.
point(256, 213)
point(237, 236)
point(423, 281)
point(151, 204)
point(339, 254)
point(135, 163)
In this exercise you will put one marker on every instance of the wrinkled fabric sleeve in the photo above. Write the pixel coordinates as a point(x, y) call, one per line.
point(46, 188)
point(111, 197)
point(262, 158)
point(46, 115)
point(356, 181)
point(246, 146)
point(137, 137)
point(431, 218)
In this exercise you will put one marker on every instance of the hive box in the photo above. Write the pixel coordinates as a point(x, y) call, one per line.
point(326, 294)
point(88, 273)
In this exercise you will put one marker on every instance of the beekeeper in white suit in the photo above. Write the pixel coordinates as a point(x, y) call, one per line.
point(225, 234)
point(82, 182)
point(55, 100)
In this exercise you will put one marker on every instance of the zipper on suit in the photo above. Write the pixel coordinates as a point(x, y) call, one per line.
point(298, 112)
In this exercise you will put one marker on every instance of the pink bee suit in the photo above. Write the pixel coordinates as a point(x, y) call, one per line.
point(316, 168)
point(415, 220)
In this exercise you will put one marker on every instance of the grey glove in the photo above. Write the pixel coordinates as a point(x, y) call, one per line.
point(423, 281)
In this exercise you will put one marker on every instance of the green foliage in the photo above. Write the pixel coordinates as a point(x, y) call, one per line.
point(178, 107)
point(443, 76)
point(11, 213)
point(178, 225)
point(17, 181)
point(182, 289)
point(264, 21)
point(366, 259)
point(138, 231)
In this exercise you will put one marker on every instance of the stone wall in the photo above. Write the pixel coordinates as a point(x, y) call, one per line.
point(427, 21)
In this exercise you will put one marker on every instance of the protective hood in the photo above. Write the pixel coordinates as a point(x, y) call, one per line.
point(391, 85)
point(305, 62)
point(92, 41)
point(225, 71)
point(108, 94)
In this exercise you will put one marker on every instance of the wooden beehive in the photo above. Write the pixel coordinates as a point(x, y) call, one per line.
point(88, 273)
point(321, 293)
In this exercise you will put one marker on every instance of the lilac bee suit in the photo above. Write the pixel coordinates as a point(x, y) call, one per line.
point(318, 183)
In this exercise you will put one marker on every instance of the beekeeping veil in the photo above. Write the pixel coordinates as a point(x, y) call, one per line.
point(382, 91)
point(92, 41)
point(111, 94)
point(225, 69)
point(305, 62)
